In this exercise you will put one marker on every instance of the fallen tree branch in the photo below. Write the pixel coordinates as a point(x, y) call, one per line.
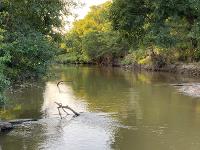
point(60, 106)
point(20, 121)
point(9, 125)
point(62, 82)
point(60, 91)
point(5, 126)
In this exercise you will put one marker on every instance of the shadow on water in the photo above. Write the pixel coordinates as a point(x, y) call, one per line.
point(121, 110)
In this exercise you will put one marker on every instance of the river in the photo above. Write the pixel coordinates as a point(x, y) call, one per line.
point(120, 110)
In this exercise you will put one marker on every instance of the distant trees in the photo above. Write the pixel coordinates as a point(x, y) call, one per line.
point(145, 31)
point(92, 40)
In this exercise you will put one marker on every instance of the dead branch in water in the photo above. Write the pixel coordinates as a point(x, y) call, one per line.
point(60, 91)
point(20, 121)
point(60, 106)
point(62, 82)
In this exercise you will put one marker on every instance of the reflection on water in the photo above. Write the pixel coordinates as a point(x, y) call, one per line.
point(62, 94)
point(120, 110)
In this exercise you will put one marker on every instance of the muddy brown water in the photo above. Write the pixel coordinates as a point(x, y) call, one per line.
point(121, 110)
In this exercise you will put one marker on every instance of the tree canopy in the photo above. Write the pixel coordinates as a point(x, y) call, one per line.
point(168, 25)
point(136, 29)
point(29, 36)
point(92, 40)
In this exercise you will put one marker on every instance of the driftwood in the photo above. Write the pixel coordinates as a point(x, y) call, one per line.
point(9, 125)
point(20, 121)
point(60, 106)
point(5, 126)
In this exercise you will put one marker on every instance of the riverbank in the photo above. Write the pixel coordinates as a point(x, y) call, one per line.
point(190, 69)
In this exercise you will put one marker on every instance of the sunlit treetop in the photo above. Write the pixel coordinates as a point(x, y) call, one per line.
point(96, 20)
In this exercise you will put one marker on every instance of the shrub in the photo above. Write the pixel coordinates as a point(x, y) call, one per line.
point(30, 55)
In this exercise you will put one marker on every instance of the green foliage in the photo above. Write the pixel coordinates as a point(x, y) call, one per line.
point(96, 20)
point(4, 58)
point(91, 40)
point(159, 23)
point(31, 54)
point(128, 59)
point(129, 17)
point(103, 47)
point(29, 37)
point(32, 34)
point(42, 16)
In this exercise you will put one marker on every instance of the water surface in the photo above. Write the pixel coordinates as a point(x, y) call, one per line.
point(120, 110)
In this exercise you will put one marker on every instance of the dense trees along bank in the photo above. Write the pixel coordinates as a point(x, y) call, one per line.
point(92, 40)
point(160, 31)
point(29, 37)
point(155, 32)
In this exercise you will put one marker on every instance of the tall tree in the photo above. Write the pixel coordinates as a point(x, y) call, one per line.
point(163, 23)
point(29, 36)
point(92, 39)
point(31, 33)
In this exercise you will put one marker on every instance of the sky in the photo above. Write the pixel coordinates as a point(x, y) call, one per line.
point(82, 12)
point(85, 9)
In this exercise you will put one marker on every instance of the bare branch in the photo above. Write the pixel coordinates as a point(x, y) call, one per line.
point(60, 106)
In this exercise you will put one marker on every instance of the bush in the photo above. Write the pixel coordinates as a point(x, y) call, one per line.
point(30, 55)
point(128, 59)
